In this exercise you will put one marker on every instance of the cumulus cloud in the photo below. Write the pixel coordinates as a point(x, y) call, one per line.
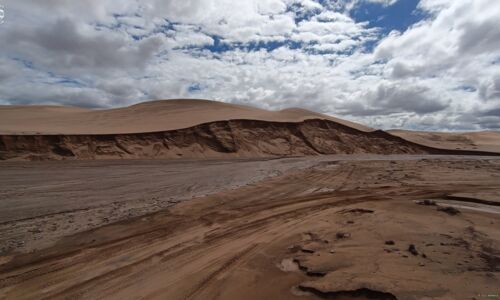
point(396, 98)
point(442, 72)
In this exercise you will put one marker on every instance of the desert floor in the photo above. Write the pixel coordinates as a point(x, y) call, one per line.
point(325, 227)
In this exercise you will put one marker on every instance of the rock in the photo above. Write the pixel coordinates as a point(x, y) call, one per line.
point(316, 273)
point(307, 250)
point(449, 210)
point(357, 211)
point(390, 242)
point(343, 235)
point(309, 236)
point(427, 202)
point(294, 248)
point(412, 249)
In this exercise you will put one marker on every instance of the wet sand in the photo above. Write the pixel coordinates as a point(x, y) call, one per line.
point(43, 201)
point(327, 227)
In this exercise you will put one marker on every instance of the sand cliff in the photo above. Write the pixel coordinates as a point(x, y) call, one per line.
point(190, 129)
point(234, 138)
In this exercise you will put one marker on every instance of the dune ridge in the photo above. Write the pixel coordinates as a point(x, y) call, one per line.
point(220, 139)
point(480, 140)
point(200, 129)
point(151, 116)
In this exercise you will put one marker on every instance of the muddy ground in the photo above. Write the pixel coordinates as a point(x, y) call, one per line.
point(329, 227)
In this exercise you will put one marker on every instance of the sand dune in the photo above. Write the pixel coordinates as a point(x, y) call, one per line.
point(220, 139)
point(195, 129)
point(482, 141)
point(150, 116)
point(262, 227)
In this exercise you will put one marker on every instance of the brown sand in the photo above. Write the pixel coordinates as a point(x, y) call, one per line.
point(316, 232)
point(153, 116)
point(221, 139)
point(482, 141)
point(204, 129)
point(316, 227)
point(190, 129)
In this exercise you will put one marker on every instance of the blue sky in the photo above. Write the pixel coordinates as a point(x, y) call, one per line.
point(385, 18)
point(415, 64)
point(398, 16)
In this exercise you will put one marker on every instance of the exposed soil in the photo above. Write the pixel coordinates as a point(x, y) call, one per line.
point(245, 242)
point(220, 139)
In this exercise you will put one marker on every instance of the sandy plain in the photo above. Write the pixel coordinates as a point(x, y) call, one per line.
point(323, 227)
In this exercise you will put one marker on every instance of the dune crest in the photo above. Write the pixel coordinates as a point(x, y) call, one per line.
point(151, 116)
point(479, 141)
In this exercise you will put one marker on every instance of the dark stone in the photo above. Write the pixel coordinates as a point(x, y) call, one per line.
point(306, 250)
point(449, 210)
point(427, 202)
point(412, 249)
point(343, 235)
point(358, 211)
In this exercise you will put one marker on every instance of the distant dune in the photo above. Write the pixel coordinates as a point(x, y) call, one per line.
point(482, 141)
point(192, 129)
point(153, 116)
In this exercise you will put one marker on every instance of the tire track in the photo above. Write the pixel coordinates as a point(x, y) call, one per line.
point(222, 269)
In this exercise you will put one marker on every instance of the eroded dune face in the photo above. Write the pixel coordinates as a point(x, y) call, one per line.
point(236, 138)
point(190, 129)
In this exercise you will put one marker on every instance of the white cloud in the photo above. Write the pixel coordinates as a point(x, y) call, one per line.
point(383, 2)
point(441, 73)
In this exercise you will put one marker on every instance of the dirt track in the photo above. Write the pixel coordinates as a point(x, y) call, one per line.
point(321, 230)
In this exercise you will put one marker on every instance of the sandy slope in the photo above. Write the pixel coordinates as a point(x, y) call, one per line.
point(482, 141)
point(204, 129)
point(221, 139)
point(150, 116)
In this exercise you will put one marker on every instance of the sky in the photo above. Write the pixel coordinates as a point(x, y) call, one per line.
point(413, 64)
